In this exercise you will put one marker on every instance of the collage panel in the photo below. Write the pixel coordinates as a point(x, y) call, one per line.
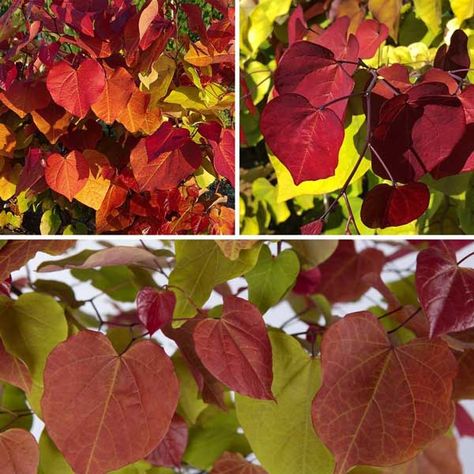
point(228, 356)
point(356, 117)
point(117, 117)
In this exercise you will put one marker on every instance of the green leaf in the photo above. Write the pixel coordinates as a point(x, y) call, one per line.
point(272, 277)
point(51, 460)
point(31, 327)
point(430, 12)
point(14, 399)
point(281, 434)
point(50, 223)
point(59, 289)
point(314, 252)
point(200, 266)
point(214, 433)
point(265, 192)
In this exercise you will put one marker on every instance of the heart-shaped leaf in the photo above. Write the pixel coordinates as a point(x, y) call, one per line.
point(355, 412)
point(445, 290)
point(388, 206)
point(155, 308)
point(19, 452)
point(76, 89)
point(272, 277)
point(115, 409)
point(291, 123)
point(236, 348)
point(67, 175)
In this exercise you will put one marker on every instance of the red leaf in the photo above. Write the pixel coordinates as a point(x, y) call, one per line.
point(370, 34)
point(224, 155)
point(464, 423)
point(210, 130)
point(467, 99)
point(308, 282)
point(235, 463)
point(76, 89)
point(297, 26)
point(389, 206)
point(13, 370)
point(48, 52)
point(306, 139)
point(167, 138)
point(464, 382)
point(310, 70)
point(236, 348)
point(167, 170)
point(67, 175)
point(27, 96)
point(169, 452)
point(417, 131)
point(445, 290)
point(355, 412)
point(313, 228)
point(19, 452)
point(32, 172)
point(342, 273)
point(155, 308)
point(133, 397)
point(455, 57)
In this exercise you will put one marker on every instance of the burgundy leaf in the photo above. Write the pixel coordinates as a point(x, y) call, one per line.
point(463, 422)
point(445, 290)
point(155, 308)
point(306, 139)
point(389, 206)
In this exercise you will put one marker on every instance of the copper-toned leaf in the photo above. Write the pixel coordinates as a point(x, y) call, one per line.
point(52, 121)
point(155, 308)
point(168, 169)
point(104, 410)
point(380, 404)
point(236, 348)
point(13, 370)
point(19, 452)
point(445, 290)
point(67, 175)
point(235, 463)
point(464, 382)
point(76, 89)
point(119, 86)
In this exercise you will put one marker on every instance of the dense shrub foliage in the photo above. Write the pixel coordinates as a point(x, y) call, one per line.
point(267, 367)
point(117, 117)
point(357, 117)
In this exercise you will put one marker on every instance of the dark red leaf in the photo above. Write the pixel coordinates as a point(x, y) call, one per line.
point(445, 290)
point(389, 206)
point(464, 423)
point(166, 138)
point(236, 348)
point(308, 282)
point(297, 26)
point(306, 139)
point(155, 308)
point(169, 452)
point(313, 228)
point(456, 57)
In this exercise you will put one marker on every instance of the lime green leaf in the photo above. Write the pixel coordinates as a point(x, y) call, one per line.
point(31, 327)
point(281, 434)
point(265, 192)
point(14, 399)
point(463, 9)
point(200, 266)
point(50, 223)
point(51, 460)
point(272, 277)
point(348, 156)
point(314, 252)
point(214, 433)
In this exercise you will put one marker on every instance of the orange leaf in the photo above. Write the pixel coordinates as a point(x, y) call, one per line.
point(105, 410)
point(380, 404)
point(198, 55)
point(133, 115)
point(119, 86)
point(107, 217)
point(52, 121)
point(7, 141)
point(67, 175)
point(19, 452)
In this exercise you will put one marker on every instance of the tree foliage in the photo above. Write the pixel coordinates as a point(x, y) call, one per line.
point(357, 117)
point(117, 117)
point(255, 374)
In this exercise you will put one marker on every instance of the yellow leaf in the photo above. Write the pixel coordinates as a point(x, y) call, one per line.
point(198, 55)
point(430, 13)
point(8, 178)
point(388, 12)
point(160, 77)
point(463, 9)
point(348, 156)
